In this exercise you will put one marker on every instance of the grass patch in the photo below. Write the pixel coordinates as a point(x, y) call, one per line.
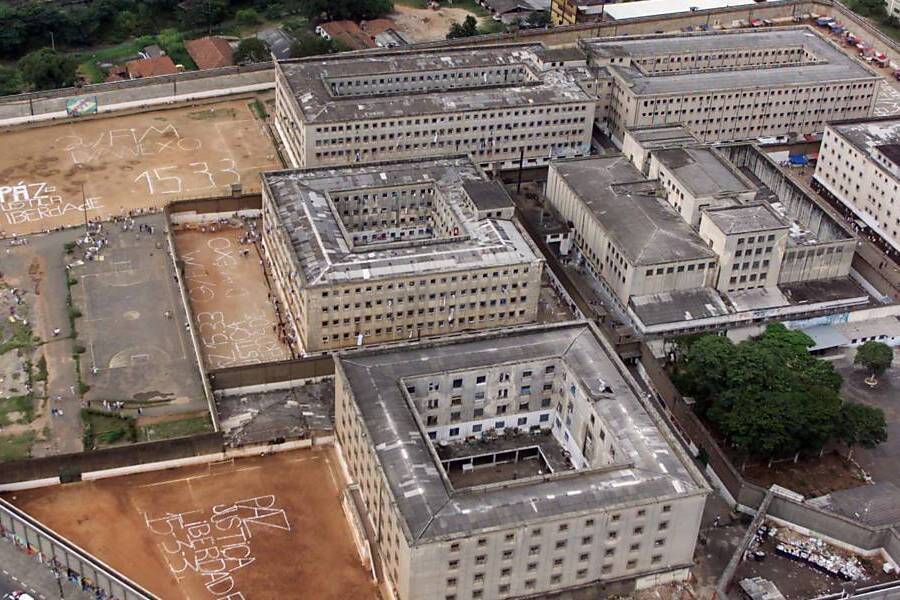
point(175, 429)
point(23, 405)
point(489, 26)
point(14, 447)
point(20, 339)
point(41, 374)
point(103, 428)
point(412, 3)
point(259, 109)
point(469, 5)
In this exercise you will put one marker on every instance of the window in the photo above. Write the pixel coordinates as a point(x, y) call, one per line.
point(453, 564)
point(659, 542)
point(564, 527)
point(509, 537)
point(610, 552)
point(507, 554)
point(667, 508)
point(634, 547)
point(631, 564)
point(612, 535)
point(560, 544)
point(457, 383)
point(638, 530)
point(482, 542)
point(480, 559)
point(451, 582)
point(663, 525)
point(584, 557)
point(454, 431)
point(589, 523)
point(480, 379)
point(533, 550)
point(587, 540)
point(454, 547)
point(615, 518)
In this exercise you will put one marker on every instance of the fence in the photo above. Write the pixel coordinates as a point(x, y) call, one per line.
point(276, 372)
point(66, 559)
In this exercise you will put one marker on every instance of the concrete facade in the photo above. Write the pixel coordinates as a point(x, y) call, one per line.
point(396, 251)
point(731, 85)
point(859, 165)
point(497, 103)
point(562, 529)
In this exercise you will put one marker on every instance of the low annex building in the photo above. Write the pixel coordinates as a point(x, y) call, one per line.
point(513, 464)
point(501, 104)
point(729, 85)
point(859, 165)
point(687, 236)
point(396, 251)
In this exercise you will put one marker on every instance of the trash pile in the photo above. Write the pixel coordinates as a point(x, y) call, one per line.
point(818, 555)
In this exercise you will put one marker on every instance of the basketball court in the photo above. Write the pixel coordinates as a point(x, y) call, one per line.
point(51, 176)
point(254, 528)
point(132, 324)
point(229, 295)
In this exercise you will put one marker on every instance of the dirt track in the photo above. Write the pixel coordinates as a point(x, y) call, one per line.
point(268, 527)
point(128, 162)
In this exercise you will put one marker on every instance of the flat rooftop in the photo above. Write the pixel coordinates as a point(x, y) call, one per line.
point(488, 195)
point(308, 81)
point(703, 303)
point(650, 8)
point(746, 218)
point(833, 65)
point(325, 256)
point(703, 172)
point(871, 135)
point(646, 229)
point(663, 136)
point(651, 465)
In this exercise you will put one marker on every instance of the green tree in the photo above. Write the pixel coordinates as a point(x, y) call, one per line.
point(706, 367)
point(46, 69)
point(13, 31)
point(247, 17)
point(193, 14)
point(309, 44)
point(252, 50)
point(10, 82)
point(869, 8)
point(875, 356)
point(861, 425)
point(468, 28)
point(539, 18)
point(354, 10)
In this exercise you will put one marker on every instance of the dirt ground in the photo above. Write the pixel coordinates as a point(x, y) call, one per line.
point(229, 298)
point(128, 162)
point(811, 477)
point(267, 527)
point(424, 24)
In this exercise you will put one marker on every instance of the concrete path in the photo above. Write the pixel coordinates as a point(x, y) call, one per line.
point(20, 572)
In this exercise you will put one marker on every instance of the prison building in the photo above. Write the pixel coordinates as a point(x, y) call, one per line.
point(514, 464)
point(728, 86)
point(626, 235)
point(501, 104)
point(395, 251)
point(859, 166)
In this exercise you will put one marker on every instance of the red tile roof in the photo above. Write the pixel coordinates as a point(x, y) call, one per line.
point(210, 52)
point(349, 33)
point(150, 67)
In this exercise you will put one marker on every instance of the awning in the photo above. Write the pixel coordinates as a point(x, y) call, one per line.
point(825, 337)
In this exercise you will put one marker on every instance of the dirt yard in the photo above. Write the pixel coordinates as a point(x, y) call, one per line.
point(128, 162)
point(229, 297)
point(809, 476)
point(424, 24)
point(264, 527)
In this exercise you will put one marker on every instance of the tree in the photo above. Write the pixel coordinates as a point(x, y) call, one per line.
point(46, 69)
point(539, 18)
point(468, 28)
point(10, 82)
point(194, 14)
point(875, 356)
point(309, 44)
point(12, 30)
point(869, 8)
point(252, 50)
point(247, 17)
point(861, 425)
point(354, 10)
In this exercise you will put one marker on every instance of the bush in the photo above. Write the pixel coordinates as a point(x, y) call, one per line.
point(247, 17)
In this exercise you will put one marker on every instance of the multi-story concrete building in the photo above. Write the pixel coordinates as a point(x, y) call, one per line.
point(859, 165)
point(727, 86)
point(570, 12)
point(703, 235)
point(513, 464)
point(629, 239)
point(501, 104)
point(396, 251)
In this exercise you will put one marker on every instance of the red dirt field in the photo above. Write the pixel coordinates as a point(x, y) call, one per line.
point(229, 298)
point(262, 527)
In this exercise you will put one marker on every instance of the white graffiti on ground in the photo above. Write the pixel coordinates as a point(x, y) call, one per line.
point(30, 202)
point(213, 544)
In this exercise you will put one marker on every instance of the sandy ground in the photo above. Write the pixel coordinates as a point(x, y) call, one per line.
point(128, 162)
point(265, 527)
point(424, 24)
point(229, 298)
